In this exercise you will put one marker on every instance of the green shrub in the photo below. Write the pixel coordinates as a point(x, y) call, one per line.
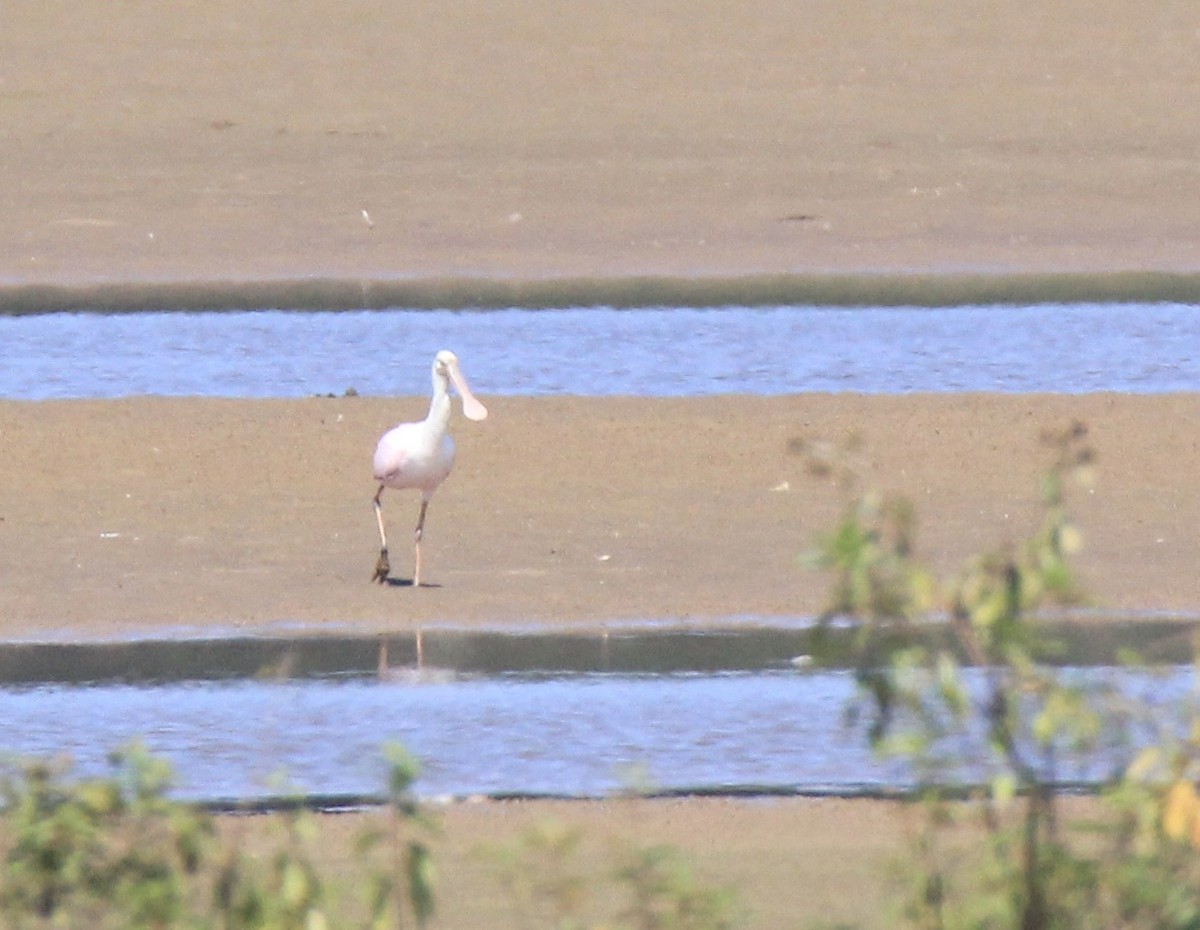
point(1133, 862)
point(113, 850)
point(118, 852)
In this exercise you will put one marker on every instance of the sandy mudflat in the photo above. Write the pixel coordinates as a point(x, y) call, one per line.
point(123, 516)
point(234, 142)
point(267, 153)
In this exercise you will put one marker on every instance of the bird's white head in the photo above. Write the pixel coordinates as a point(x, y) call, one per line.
point(446, 369)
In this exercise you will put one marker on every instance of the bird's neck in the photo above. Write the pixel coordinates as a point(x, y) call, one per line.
point(439, 408)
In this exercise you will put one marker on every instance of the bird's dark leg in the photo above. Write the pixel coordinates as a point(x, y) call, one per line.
point(417, 543)
point(382, 566)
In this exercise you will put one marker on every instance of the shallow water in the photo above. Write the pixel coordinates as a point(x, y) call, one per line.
point(572, 735)
point(490, 714)
point(575, 735)
point(1136, 348)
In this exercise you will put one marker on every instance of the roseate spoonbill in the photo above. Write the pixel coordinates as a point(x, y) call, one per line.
point(420, 455)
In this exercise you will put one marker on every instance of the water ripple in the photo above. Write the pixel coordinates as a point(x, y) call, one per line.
point(1134, 348)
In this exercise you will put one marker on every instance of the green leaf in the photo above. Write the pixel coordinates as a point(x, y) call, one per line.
point(421, 881)
point(1004, 789)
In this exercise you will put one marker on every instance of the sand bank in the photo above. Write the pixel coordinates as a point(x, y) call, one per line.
point(128, 515)
point(507, 140)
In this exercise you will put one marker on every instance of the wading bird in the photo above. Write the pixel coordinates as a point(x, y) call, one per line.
point(420, 455)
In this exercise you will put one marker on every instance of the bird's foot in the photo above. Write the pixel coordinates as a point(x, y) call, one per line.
point(382, 567)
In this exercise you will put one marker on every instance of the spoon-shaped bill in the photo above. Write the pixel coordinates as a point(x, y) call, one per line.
point(472, 408)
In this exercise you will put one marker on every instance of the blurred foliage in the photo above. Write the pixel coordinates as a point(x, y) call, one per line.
point(549, 884)
point(987, 699)
point(119, 852)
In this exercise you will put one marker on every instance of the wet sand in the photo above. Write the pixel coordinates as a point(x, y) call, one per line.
point(501, 142)
point(261, 154)
point(130, 516)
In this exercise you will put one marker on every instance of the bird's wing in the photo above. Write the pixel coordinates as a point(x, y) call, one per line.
point(391, 454)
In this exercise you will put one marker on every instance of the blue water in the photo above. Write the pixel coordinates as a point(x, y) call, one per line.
point(1135, 348)
point(570, 735)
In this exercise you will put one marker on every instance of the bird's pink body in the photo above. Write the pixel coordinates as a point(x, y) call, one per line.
point(414, 455)
point(420, 455)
